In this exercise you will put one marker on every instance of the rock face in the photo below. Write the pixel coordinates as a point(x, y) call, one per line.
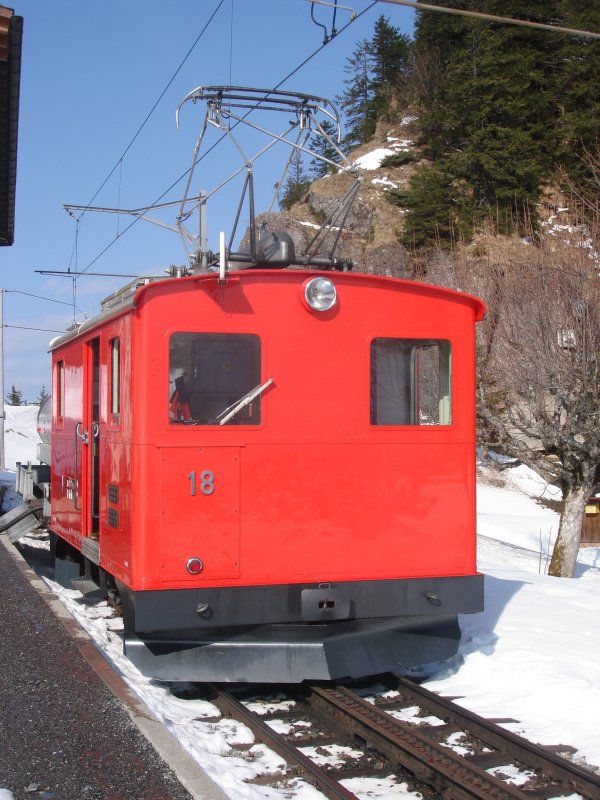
point(324, 197)
point(371, 229)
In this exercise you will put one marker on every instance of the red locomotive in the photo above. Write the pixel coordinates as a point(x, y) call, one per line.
point(272, 466)
point(275, 470)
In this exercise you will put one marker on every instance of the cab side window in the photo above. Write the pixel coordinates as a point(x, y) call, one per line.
point(115, 380)
point(209, 373)
point(410, 382)
point(59, 391)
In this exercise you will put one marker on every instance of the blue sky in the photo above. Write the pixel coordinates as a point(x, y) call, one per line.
point(91, 72)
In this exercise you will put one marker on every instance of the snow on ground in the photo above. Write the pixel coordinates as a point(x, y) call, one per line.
point(384, 182)
point(580, 232)
point(373, 159)
point(533, 655)
point(20, 435)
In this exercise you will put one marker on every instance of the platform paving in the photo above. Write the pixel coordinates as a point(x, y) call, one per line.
point(70, 729)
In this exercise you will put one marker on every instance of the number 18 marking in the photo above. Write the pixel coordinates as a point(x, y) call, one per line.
point(207, 482)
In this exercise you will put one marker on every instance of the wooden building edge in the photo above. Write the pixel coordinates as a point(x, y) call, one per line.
point(590, 529)
point(11, 35)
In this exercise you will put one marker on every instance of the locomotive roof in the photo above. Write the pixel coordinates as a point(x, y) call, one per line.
point(126, 299)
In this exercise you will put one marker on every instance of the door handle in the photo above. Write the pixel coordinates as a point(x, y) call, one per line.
point(78, 432)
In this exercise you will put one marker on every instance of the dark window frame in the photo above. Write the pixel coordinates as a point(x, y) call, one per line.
point(115, 380)
point(60, 392)
point(210, 371)
point(398, 370)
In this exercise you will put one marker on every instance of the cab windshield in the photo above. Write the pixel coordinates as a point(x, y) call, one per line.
point(211, 372)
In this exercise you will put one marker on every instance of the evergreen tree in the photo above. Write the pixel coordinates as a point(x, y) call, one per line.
point(322, 147)
point(43, 395)
point(374, 69)
point(297, 183)
point(441, 32)
point(492, 125)
point(579, 88)
point(14, 397)
point(499, 120)
point(389, 52)
point(501, 107)
point(357, 99)
point(431, 216)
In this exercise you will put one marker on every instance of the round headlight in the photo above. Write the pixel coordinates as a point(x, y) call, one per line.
point(320, 294)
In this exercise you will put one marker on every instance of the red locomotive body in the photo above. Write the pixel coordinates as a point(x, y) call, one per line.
point(278, 491)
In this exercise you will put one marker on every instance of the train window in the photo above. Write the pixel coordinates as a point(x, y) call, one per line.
point(115, 378)
point(410, 382)
point(60, 390)
point(209, 373)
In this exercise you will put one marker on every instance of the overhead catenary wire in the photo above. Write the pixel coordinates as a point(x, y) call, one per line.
point(153, 109)
point(99, 274)
point(37, 296)
point(418, 6)
point(28, 328)
point(119, 162)
point(45, 299)
point(74, 258)
point(231, 43)
point(85, 269)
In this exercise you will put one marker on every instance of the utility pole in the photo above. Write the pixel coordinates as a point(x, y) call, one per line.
point(1, 378)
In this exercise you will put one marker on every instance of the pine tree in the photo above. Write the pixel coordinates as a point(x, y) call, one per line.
point(322, 147)
point(14, 397)
point(297, 183)
point(375, 70)
point(431, 216)
point(578, 88)
point(389, 52)
point(441, 32)
point(492, 125)
point(357, 99)
point(43, 395)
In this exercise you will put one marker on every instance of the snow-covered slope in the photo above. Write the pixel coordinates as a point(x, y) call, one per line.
point(20, 435)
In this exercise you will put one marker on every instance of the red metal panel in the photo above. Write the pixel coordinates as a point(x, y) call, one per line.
point(325, 495)
point(199, 512)
point(116, 551)
point(347, 511)
point(315, 492)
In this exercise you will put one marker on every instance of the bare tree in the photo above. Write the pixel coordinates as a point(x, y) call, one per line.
point(539, 381)
point(539, 352)
point(422, 79)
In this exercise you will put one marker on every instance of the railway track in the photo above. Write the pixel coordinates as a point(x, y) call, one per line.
point(397, 734)
point(370, 738)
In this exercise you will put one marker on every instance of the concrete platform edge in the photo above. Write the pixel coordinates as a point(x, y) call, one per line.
point(191, 776)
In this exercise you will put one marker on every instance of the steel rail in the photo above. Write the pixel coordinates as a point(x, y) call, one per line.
point(230, 707)
point(439, 767)
point(454, 777)
point(581, 780)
